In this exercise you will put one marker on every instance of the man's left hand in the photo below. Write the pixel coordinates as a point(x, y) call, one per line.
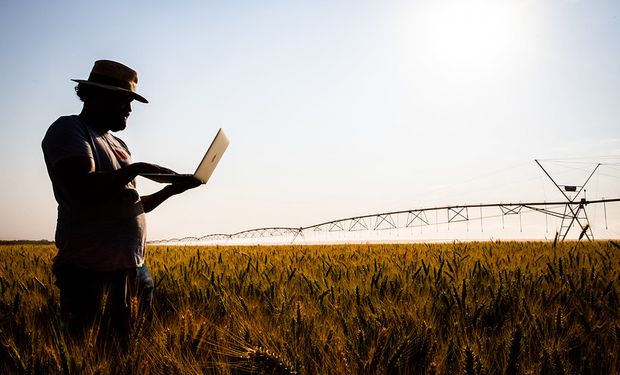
point(180, 187)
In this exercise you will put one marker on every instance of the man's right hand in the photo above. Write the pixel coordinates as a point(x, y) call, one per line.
point(79, 175)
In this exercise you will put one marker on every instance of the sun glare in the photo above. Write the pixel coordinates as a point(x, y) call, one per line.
point(474, 35)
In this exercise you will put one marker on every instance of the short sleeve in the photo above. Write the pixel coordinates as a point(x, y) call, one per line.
point(66, 138)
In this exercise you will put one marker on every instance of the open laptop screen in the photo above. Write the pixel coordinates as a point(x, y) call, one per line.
point(205, 167)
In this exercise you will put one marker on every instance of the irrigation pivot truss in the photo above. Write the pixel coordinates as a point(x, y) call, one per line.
point(571, 211)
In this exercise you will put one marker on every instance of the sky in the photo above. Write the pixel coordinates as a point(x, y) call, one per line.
point(333, 108)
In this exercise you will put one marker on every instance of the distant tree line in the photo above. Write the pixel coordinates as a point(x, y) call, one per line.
point(26, 242)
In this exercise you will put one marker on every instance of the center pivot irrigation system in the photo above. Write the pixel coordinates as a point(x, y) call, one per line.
point(571, 211)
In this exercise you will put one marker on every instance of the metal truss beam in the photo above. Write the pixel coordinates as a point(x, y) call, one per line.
point(568, 220)
point(573, 212)
point(510, 209)
point(458, 213)
point(385, 221)
point(358, 224)
point(419, 216)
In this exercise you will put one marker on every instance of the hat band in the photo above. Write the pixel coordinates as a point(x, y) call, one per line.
point(107, 80)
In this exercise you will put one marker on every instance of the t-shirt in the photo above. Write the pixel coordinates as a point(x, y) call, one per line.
point(102, 234)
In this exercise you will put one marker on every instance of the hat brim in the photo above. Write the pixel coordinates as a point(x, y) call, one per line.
point(136, 96)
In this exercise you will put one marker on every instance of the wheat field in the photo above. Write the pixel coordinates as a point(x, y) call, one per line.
point(461, 308)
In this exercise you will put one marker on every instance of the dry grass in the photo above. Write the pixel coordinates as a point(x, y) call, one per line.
point(475, 308)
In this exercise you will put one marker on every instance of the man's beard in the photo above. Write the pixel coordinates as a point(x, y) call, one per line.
point(117, 124)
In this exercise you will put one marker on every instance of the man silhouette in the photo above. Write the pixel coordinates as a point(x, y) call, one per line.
point(101, 229)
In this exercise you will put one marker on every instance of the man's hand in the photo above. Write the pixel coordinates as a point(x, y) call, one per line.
point(149, 202)
point(78, 174)
point(180, 187)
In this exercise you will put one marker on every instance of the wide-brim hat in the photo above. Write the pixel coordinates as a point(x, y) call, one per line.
point(113, 76)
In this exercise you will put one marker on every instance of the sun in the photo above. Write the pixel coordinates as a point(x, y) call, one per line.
point(475, 34)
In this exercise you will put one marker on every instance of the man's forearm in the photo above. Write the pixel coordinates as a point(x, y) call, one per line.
point(100, 182)
point(150, 202)
point(79, 176)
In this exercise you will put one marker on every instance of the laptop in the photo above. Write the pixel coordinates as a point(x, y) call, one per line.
point(205, 168)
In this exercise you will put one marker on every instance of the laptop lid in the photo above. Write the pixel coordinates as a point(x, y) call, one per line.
point(212, 156)
point(205, 167)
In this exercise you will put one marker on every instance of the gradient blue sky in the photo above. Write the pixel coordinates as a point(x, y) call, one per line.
point(334, 108)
